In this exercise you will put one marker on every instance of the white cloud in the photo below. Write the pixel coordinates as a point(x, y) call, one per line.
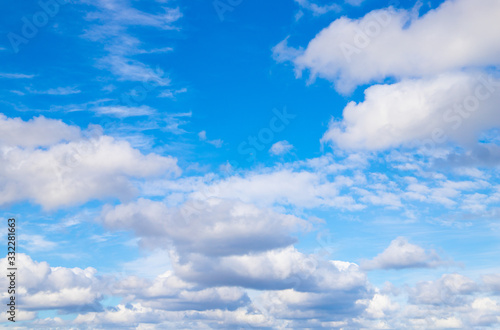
point(121, 111)
point(318, 9)
point(344, 183)
point(151, 265)
point(36, 243)
point(170, 93)
point(36, 132)
point(213, 227)
point(120, 12)
point(450, 289)
point(401, 254)
point(56, 91)
point(485, 312)
point(275, 269)
point(381, 306)
point(112, 20)
point(43, 287)
point(16, 75)
point(306, 309)
point(141, 316)
point(492, 282)
point(203, 137)
point(68, 173)
point(132, 70)
point(354, 2)
point(283, 53)
point(219, 243)
point(299, 188)
point(173, 121)
point(452, 107)
point(396, 43)
point(436, 100)
point(280, 148)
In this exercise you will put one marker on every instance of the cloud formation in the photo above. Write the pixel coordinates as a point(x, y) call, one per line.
point(280, 148)
point(45, 288)
point(397, 43)
point(401, 254)
point(45, 161)
point(451, 107)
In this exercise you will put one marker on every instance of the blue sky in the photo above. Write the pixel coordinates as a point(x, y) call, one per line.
point(253, 164)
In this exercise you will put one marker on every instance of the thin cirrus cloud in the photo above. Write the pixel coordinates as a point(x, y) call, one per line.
point(222, 227)
point(16, 75)
point(34, 243)
point(111, 22)
point(318, 9)
point(121, 111)
point(56, 91)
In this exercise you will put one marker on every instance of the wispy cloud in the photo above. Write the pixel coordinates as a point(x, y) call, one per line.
point(171, 93)
point(112, 20)
point(36, 243)
point(56, 91)
point(121, 111)
point(318, 9)
point(16, 75)
point(203, 137)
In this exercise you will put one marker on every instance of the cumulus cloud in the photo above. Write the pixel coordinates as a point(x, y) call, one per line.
point(52, 164)
point(454, 107)
point(276, 269)
point(492, 282)
point(401, 254)
point(280, 148)
point(142, 317)
point(396, 43)
point(434, 100)
point(329, 309)
point(450, 289)
point(43, 287)
point(168, 292)
point(36, 132)
point(217, 243)
point(213, 227)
